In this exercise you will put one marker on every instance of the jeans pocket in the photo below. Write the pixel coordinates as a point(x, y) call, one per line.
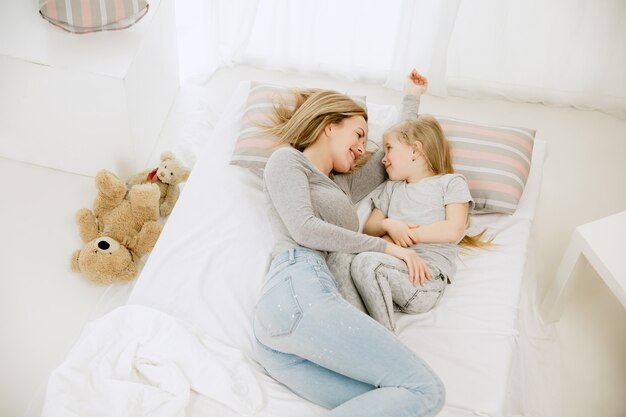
point(278, 312)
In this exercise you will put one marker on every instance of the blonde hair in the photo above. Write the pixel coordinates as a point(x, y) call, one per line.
point(301, 125)
point(426, 130)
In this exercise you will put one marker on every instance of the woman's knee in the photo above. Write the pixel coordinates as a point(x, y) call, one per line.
point(430, 389)
point(437, 392)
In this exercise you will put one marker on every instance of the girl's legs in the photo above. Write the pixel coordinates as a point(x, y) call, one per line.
point(383, 281)
point(327, 351)
point(339, 266)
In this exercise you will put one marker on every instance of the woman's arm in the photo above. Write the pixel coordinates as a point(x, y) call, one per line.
point(414, 86)
point(361, 182)
point(373, 225)
point(287, 187)
point(410, 108)
point(364, 180)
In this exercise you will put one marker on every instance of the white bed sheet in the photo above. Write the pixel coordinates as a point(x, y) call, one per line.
point(208, 266)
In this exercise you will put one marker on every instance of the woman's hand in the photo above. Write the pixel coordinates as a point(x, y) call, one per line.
point(415, 84)
point(399, 231)
point(418, 271)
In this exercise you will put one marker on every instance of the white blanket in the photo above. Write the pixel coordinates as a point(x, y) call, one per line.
point(137, 361)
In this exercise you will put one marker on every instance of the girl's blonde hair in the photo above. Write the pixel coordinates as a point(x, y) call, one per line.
point(436, 150)
point(427, 130)
point(301, 125)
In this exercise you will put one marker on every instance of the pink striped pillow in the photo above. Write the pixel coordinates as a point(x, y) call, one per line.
point(254, 146)
point(494, 159)
point(84, 16)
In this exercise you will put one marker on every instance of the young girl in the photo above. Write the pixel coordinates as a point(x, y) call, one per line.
point(306, 335)
point(424, 206)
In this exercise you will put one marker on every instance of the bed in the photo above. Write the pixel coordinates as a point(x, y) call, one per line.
point(181, 345)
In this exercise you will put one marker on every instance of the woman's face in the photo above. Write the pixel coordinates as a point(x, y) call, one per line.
point(347, 142)
point(398, 157)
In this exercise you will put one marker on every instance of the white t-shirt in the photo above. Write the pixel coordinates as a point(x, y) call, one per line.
point(424, 202)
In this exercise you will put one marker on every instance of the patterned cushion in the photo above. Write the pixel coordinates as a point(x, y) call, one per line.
point(84, 16)
point(494, 159)
point(254, 146)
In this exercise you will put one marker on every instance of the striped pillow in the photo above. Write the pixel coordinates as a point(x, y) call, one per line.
point(254, 146)
point(494, 159)
point(84, 16)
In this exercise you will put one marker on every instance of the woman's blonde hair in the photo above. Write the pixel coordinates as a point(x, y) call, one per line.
point(301, 124)
point(436, 150)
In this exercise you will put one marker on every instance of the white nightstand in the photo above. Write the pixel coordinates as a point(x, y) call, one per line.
point(602, 243)
point(80, 103)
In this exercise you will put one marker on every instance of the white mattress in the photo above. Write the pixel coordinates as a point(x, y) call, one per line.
point(208, 266)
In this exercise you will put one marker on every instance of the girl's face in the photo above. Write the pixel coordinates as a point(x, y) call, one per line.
point(398, 159)
point(347, 142)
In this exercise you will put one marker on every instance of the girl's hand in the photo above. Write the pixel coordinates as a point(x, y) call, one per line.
point(399, 231)
point(415, 84)
point(413, 234)
point(418, 272)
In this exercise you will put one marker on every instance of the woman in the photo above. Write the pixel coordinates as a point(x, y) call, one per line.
point(308, 337)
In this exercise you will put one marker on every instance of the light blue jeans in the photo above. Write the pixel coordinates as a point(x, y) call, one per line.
point(325, 350)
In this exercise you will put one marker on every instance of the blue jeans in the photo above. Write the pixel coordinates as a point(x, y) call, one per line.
point(327, 351)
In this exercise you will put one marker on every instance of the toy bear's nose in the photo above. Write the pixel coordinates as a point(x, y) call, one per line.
point(104, 245)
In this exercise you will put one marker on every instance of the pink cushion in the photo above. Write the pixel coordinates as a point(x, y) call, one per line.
point(84, 16)
point(494, 159)
point(254, 146)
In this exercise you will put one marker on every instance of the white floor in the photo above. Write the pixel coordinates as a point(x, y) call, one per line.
point(44, 305)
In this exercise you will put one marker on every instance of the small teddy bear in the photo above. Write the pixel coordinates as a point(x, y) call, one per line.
point(119, 231)
point(167, 176)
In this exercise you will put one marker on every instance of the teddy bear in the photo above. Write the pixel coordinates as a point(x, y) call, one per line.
point(167, 176)
point(119, 230)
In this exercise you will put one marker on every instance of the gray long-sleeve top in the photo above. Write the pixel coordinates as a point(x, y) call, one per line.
point(309, 209)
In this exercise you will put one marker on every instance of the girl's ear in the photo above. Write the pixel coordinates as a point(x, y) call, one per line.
point(417, 149)
point(417, 146)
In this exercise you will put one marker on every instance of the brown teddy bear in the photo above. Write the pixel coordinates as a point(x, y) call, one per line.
point(167, 176)
point(119, 230)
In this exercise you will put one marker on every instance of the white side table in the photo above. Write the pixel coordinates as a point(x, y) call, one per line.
point(602, 243)
point(80, 103)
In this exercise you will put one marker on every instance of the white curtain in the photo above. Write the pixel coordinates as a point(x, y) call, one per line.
point(562, 52)
point(349, 39)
